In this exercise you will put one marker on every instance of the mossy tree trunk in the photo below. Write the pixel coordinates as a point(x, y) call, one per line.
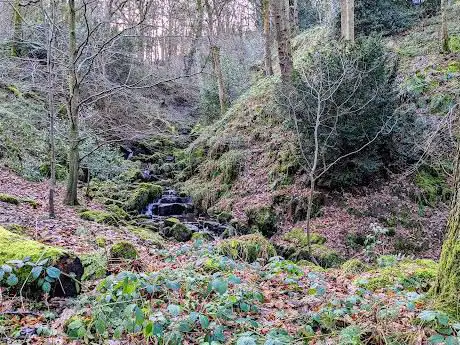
point(217, 67)
point(73, 109)
point(444, 31)
point(17, 29)
point(189, 59)
point(282, 29)
point(447, 286)
point(267, 37)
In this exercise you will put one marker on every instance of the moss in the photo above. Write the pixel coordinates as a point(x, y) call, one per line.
point(97, 216)
point(9, 199)
point(16, 247)
point(117, 212)
point(171, 221)
point(101, 242)
point(408, 274)
point(454, 43)
point(123, 250)
point(95, 264)
point(299, 237)
point(354, 266)
point(247, 248)
point(311, 266)
point(13, 89)
point(142, 196)
point(433, 186)
point(17, 229)
point(148, 235)
point(181, 232)
point(263, 219)
point(326, 257)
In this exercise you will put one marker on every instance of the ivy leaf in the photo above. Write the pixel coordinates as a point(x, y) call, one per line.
point(174, 310)
point(443, 319)
point(436, 339)
point(12, 280)
point(428, 315)
point(7, 268)
point(184, 327)
point(204, 321)
point(148, 330)
point(452, 340)
point(220, 285)
point(36, 271)
point(53, 272)
point(172, 285)
point(246, 340)
point(100, 326)
point(46, 287)
point(75, 324)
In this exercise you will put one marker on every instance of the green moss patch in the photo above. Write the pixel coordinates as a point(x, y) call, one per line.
point(142, 196)
point(407, 274)
point(247, 248)
point(262, 219)
point(97, 216)
point(299, 237)
point(354, 266)
point(148, 235)
point(95, 264)
point(9, 199)
point(123, 250)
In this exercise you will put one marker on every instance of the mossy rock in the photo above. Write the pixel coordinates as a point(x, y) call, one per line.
point(325, 256)
point(298, 237)
point(354, 266)
point(433, 186)
point(123, 250)
point(17, 247)
point(149, 235)
point(411, 275)
point(311, 266)
point(10, 199)
point(248, 248)
point(264, 219)
point(95, 264)
point(180, 232)
point(142, 196)
point(171, 221)
point(97, 216)
point(118, 212)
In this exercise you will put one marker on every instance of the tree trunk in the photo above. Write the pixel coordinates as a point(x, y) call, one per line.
point(444, 31)
point(348, 20)
point(267, 37)
point(17, 29)
point(52, 182)
point(447, 286)
point(282, 31)
point(190, 57)
point(74, 98)
point(294, 17)
point(217, 67)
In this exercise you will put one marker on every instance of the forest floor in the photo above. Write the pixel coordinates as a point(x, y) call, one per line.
point(278, 300)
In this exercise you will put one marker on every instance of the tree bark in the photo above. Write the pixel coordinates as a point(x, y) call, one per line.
point(17, 29)
point(52, 182)
point(444, 31)
point(217, 67)
point(447, 287)
point(294, 17)
point(267, 37)
point(281, 15)
point(348, 20)
point(73, 109)
point(198, 28)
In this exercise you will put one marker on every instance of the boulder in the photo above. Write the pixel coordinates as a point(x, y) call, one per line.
point(15, 250)
point(123, 250)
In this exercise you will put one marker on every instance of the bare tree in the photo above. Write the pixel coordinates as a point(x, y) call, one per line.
point(329, 94)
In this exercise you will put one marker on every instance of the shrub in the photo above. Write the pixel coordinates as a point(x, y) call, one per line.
point(247, 248)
